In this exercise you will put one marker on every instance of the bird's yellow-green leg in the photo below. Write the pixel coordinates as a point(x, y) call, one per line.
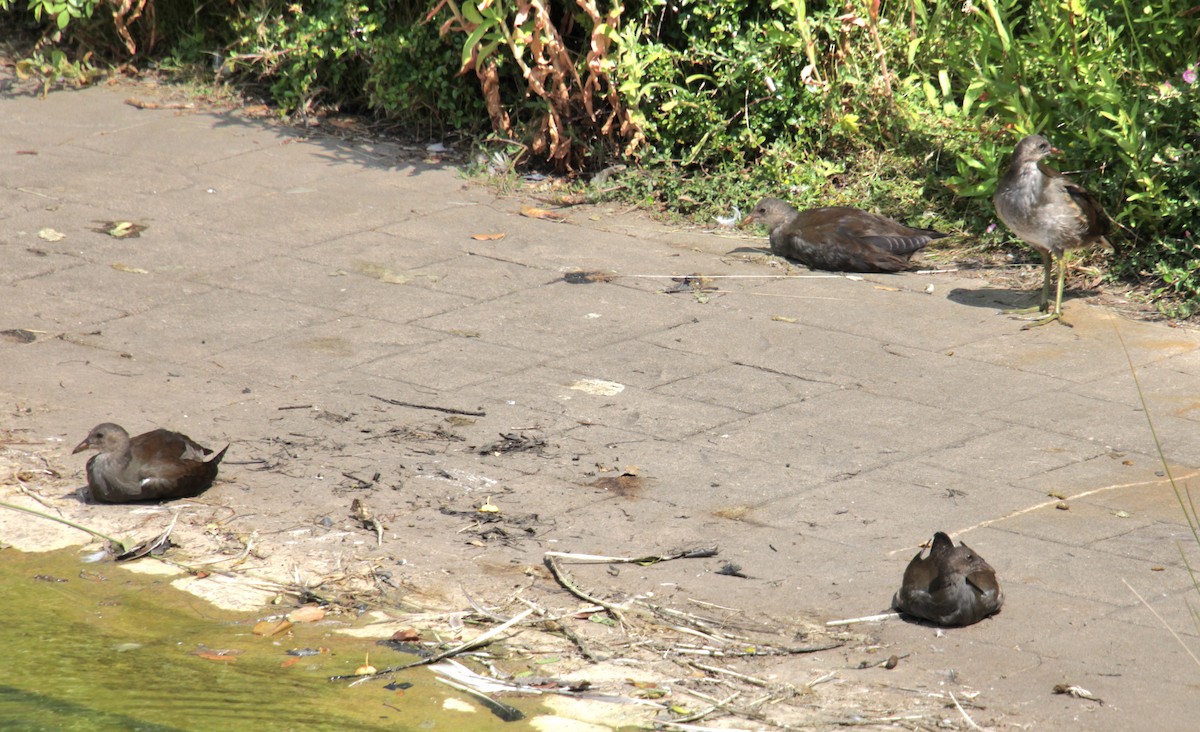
point(1047, 260)
point(1056, 313)
point(1045, 301)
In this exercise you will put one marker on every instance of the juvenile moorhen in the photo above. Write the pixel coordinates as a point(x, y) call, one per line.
point(1047, 210)
point(840, 239)
point(951, 586)
point(153, 466)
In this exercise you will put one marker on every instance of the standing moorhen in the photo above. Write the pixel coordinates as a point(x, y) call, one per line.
point(1047, 210)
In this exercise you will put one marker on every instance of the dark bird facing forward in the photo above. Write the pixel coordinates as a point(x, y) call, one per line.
point(150, 467)
point(1047, 210)
point(951, 586)
point(839, 239)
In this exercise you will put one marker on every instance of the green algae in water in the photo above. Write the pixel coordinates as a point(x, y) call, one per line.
point(108, 649)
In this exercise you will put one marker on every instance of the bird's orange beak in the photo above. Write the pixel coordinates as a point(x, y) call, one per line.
point(81, 447)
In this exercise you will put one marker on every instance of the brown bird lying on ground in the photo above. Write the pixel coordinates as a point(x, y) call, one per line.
point(951, 586)
point(152, 466)
point(1047, 210)
point(840, 239)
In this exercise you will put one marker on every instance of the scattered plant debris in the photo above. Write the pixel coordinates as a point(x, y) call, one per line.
point(122, 267)
point(691, 283)
point(588, 277)
point(513, 442)
point(1078, 692)
point(155, 547)
point(362, 514)
point(730, 569)
point(120, 229)
point(540, 213)
point(268, 628)
point(448, 410)
point(626, 485)
point(18, 335)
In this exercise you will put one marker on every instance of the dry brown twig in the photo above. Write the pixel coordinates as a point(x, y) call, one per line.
point(566, 581)
point(591, 103)
point(25, 489)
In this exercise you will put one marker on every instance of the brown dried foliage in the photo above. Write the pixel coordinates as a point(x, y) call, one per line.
point(580, 105)
point(125, 14)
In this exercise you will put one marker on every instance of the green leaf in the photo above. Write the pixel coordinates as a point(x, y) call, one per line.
point(973, 93)
point(489, 48)
point(1001, 32)
point(972, 162)
point(930, 94)
point(974, 191)
point(471, 13)
point(911, 51)
point(473, 41)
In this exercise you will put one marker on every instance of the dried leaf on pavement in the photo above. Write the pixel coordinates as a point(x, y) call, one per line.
point(268, 628)
point(122, 229)
point(121, 267)
point(534, 212)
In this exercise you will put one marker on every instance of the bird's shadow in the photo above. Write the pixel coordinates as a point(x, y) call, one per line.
point(914, 620)
point(1002, 298)
point(922, 622)
point(996, 298)
point(750, 250)
point(911, 619)
point(83, 495)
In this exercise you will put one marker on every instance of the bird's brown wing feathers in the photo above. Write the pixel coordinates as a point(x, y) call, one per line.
point(180, 478)
point(1098, 224)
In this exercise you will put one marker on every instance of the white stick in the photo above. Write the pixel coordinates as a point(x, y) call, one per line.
point(864, 619)
point(970, 722)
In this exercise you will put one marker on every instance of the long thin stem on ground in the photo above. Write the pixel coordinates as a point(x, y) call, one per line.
point(1188, 505)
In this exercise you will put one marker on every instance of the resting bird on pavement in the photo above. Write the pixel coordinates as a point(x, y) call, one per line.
point(150, 467)
point(951, 586)
point(839, 238)
point(1047, 210)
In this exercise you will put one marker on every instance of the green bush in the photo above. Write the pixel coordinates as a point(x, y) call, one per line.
point(362, 57)
point(306, 52)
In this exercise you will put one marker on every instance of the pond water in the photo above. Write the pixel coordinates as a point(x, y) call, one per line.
point(96, 647)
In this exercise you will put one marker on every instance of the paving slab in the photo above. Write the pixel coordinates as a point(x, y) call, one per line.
point(814, 427)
